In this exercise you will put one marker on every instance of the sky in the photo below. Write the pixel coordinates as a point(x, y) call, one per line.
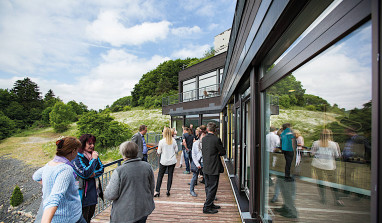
point(95, 51)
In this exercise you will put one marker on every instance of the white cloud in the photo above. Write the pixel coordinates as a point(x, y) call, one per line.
point(109, 28)
point(337, 78)
point(191, 51)
point(186, 31)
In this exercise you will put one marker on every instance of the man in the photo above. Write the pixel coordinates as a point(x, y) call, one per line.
point(139, 139)
point(272, 142)
point(288, 145)
point(212, 149)
point(188, 140)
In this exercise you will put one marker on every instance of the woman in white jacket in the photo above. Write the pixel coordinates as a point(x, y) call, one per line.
point(196, 164)
point(168, 148)
point(324, 164)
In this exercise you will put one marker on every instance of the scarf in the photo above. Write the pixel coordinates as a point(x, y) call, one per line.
point(62, 159)
point(87, 155)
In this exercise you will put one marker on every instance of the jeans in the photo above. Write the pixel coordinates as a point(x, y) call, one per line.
point(194, 180)
point(186, 160)
point(162, 170)
point(144, 158)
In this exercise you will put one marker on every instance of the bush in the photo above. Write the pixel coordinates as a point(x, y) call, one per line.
point(45, 115)
point(126, 108)
point(7, 126)
point(61, 117)
point(17, 197)
point(108, 132)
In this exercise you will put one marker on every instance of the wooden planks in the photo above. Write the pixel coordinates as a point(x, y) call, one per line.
point(180, 206)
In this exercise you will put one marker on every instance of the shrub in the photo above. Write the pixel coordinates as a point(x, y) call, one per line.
point(7, 126)
point(61, 116)
point(108, 132)
point(45, 115)
point(17, 197)
point(126, 108)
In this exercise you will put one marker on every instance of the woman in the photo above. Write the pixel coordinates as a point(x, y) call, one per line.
point(168, 148)
point(131, 187)
point(88, 167)
point(196, 165)
point(61, 202)
point(324, 164)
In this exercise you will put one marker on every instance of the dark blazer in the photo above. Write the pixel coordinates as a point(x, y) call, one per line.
point(137, 138)
point(212, 149)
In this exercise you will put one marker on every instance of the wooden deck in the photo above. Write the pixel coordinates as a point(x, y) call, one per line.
point(180, 206)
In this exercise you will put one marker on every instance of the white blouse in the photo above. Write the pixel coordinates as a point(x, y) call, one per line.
point(324, 157)
point(168, 152)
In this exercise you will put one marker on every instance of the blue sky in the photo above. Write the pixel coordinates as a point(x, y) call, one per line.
point(95, 51)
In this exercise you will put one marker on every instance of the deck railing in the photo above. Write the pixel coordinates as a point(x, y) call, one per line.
point(152, 158)
point(192, 95)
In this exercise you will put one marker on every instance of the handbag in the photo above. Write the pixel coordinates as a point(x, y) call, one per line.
point(194, 168)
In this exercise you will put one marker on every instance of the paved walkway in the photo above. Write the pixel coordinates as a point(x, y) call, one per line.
point(180, 206)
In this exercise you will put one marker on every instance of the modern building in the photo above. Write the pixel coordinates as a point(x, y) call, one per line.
point(316, 65)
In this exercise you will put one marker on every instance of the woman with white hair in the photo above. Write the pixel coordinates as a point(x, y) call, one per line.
point(131, 187)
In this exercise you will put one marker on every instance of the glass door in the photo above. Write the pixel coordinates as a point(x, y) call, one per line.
point(246, 172)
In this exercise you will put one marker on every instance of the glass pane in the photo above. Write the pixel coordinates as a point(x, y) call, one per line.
point(209, 75)
point(321, 172)
point(247, 143)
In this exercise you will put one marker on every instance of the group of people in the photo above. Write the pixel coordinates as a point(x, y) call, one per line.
point(324, 152)
point(71, 186)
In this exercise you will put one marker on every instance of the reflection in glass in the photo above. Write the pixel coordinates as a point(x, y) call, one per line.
point(327, 101)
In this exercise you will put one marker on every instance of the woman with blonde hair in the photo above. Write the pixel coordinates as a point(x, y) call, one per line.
point(167, 148)
point(61, 201)
point(324, 164)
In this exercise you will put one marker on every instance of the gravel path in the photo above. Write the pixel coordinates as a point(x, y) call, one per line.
point(15, 172)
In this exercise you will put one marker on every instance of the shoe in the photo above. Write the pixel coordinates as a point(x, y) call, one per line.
point(210, 211)
point(186, 172)
point(168, 193)
point(322, 201)
point(274, 200)
point(288, 215)
point(194, 184)
point(215, 206)
point(156, 194)
point(202, 181)
point(180, 166)
point(193, 194)
point(216, 199)
point(289, 179)
point(281, 210)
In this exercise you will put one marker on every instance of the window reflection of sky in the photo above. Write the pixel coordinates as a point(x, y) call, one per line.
point(342, 74)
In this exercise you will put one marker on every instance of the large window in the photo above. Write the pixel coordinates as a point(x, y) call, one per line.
point(322, 169)
point(189, 87)
point(208, 85)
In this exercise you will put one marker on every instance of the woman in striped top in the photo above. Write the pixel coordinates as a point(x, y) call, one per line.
point(61, 201)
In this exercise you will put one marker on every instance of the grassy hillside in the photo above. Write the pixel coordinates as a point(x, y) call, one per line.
point(309, 123)
point(37, 146)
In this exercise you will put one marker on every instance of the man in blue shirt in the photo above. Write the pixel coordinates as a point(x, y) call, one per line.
point(288, 143)
point(139, 139)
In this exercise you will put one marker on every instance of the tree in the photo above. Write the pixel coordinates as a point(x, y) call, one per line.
point(292, 88)
point(17, 197)
point(50, 100)
point(119, 104)
point(7, 126)
point(5, 99)
point(61, 116)
point(27, 94)
point(79, 109)
point(107, 131)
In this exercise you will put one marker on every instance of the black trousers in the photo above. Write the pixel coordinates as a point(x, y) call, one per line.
point(211, 187)
point(162, 170)
point(88, 212)
point(288, 162)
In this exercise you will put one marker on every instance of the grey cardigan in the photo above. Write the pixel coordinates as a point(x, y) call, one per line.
point(131, 188)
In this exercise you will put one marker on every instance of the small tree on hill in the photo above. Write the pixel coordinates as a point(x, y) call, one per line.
point(17, 197)
point(61, 116)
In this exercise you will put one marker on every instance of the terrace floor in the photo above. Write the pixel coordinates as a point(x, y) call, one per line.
point(180, 206)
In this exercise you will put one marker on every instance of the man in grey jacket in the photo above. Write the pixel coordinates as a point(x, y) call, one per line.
point(139, 139)
point(212, 149)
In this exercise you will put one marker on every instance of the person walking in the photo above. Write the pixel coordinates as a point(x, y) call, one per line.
point(61, 201)
point(167, 148)
point(188, 140)
point(88, 167)
point(212, 149)
point(139, 139)
point(288, 145)
point(196, 165)
point(131, 187)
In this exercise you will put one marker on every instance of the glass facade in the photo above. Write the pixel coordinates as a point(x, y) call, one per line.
point(318, 167)
point(189, 87)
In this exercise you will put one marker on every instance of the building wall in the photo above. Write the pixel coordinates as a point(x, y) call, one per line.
point(221, 42)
